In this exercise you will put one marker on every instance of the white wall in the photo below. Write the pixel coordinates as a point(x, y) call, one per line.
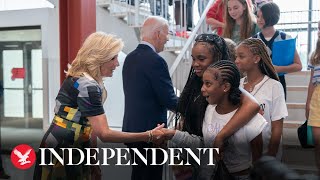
point(47, 18)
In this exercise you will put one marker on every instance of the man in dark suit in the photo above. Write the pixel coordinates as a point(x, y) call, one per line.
point(148, 92)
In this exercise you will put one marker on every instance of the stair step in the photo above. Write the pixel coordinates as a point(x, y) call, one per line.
point(298, 78)
point(296, 105)
point(303, 170)
point(292, 123)
point(300, 73)
point(296, 111)
point(143, 9)
point(297, 115)
point(296, 156)
point(297, 88)
point(297, 94)
point(290, 137)
point(121, 9)
point(104, 3)
point(120, 15)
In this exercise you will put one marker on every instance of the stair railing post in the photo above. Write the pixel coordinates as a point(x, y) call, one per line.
point(136, 17)
point(184, 16)
point(309, 27)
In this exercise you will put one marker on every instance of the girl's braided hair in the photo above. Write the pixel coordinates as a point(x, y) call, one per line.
point(229, 73)
point(257, 47)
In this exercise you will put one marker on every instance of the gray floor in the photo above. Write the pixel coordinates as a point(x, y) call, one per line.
point(11, 137)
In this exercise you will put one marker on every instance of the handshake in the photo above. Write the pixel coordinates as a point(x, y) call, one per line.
point(160, 135)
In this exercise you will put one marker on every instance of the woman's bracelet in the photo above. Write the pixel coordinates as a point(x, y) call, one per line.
point(150, 135)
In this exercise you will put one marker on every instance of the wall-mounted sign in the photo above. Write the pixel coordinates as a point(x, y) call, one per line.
point(18, 73)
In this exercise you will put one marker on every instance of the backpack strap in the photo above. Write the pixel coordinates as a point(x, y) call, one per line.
point(256, 35)
point(282, 35)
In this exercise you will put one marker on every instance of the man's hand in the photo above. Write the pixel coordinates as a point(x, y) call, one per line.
point(158, 135)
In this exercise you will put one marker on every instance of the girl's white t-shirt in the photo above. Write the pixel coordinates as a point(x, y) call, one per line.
point(270, 96)
point(237, 154)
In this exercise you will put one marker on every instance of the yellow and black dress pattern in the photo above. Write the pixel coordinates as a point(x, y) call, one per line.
point(78, 98)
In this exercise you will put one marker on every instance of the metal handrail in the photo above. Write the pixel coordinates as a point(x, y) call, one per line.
point(290, 23)
point(298, 11)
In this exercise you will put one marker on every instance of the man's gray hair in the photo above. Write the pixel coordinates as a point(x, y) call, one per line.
point(151, 25)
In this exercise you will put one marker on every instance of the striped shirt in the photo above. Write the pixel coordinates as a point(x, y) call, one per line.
point(316, 73)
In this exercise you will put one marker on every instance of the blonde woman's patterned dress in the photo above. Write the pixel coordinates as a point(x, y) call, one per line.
point(78, 98)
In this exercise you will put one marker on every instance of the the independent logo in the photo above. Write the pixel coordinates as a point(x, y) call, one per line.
point(23, 156)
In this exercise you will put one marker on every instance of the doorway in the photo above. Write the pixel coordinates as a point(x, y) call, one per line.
point(21, 82)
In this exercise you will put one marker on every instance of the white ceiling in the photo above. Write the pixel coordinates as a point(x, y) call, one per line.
point(6, 5)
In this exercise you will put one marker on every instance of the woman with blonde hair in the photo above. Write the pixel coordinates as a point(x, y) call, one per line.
point(79, 114)
point(240, 22)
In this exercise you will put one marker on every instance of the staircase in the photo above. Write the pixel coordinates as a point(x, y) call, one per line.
point(297, 89)
point(125, 21)
point(297, 158)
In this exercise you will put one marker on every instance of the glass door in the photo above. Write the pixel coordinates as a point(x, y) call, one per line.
point(21, 89)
